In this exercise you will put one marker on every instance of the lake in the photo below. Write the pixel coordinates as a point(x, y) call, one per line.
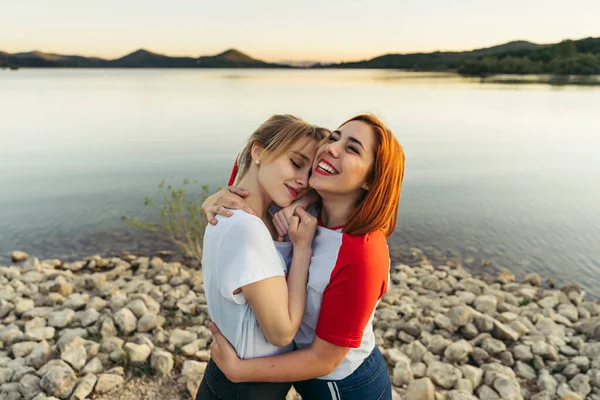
point(495, 173)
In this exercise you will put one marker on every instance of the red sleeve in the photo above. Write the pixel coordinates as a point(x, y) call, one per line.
point(358, 280)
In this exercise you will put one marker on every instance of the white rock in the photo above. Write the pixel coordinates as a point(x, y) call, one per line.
point(60, 319)
point(162, 362)
point(108, 382)
point(125, 320)
point(85, 387)
point(137, 353)
point(421, 389)
point(443, 375)
point(58, 380)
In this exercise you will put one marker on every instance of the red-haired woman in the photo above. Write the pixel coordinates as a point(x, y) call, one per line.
point(358, 175)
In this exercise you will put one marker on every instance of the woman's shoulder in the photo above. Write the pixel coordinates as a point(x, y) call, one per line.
point(369, 248)
point(240, 225)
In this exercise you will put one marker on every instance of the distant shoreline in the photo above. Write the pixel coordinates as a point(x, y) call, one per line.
point(515, 79)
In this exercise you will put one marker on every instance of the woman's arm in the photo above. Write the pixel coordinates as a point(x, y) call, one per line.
point(320, 359)
point(279, 307)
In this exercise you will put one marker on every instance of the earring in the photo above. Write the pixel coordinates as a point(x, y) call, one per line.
point(257, 162)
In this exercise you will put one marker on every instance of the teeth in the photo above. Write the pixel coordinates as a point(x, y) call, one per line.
point(325, 167)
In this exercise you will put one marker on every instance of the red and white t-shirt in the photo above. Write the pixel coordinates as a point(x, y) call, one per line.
point(348, 275)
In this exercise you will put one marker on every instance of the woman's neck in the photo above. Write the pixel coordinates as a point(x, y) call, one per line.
point(257, 198)
point(336, 209)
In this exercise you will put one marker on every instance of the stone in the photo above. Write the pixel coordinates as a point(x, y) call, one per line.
point(5, 375)
point(77, 301)
point(545, 351)
point(421, 389)
point(581, 384)
point(58, 379)
point(39, 334)
point(39, 355)
point(74, 353)
point(459, 394)
point(419, 370)
point(137, 353)
point(460, 315)
point(571, 396)
point(60, 319)
point(402, 373)
point(111, 344)
point(569, 311)
point(192, 369)
point(88, 317)
point(443, 322)
point(469, 331)
point(125, 320)
point(162, 362)
point(549, 302)
point(18, 256)
point(24, 305)
point(443, 375)
point(504, 332)
point(570, 371)
point(150, 322)
point(533, 279)
point(473, 374)
point(179, 337)
point(525, 371)
point(415, 351)
point(108, 382)
point(487, 393)
point(458, 352)
point(437, 344)
point(486, 303)
point(85, 387)
point(492, 371)
point(138, 307)
point(508, 389)
point(29, 386)
point(22, 349)
point(522, 352)
point(484, 323)
point(94, 366)
point(464, 385)
point(547, 382)
point(493, 346)
point(411, 327)
point(108, 328)
point(479, 356)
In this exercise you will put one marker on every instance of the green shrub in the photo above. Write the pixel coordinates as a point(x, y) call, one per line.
point(178, 216)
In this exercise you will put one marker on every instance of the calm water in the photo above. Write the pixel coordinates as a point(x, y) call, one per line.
point(500, 172)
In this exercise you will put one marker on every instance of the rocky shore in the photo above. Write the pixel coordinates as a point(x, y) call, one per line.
point(134, 327)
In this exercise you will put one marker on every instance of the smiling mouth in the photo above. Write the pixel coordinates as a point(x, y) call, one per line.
point(292, 191)
point(325, 168)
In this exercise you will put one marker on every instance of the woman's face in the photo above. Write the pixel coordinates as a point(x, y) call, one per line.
point(342, 165)
point(285, 178)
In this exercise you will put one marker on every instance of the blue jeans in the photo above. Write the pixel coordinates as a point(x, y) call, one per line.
point(370, 381)
point(216, 386)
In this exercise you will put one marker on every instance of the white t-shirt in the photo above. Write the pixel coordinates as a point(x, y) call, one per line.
point(238, 251)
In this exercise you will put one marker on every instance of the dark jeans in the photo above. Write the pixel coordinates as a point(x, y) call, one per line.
point(216, 386)
point(370, 381)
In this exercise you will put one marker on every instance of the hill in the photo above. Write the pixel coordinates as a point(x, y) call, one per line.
point(569, 57)
point(138, 59)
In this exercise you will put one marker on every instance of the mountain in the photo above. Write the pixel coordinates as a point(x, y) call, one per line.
point(138, 59)
point(435, 61)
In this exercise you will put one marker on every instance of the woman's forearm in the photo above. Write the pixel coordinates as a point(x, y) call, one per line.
point(290, 367)
point(297, 281)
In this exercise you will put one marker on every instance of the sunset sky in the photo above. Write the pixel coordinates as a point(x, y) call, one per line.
point(324, 30)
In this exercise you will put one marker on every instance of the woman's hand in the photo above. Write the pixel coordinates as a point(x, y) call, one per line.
point(302, 228)
point(281, 220)
point(223, 354)
point(222, 202)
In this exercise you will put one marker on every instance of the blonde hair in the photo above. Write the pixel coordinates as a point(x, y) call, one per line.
point(277, 135)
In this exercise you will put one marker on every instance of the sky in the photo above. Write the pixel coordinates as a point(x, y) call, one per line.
point(276, 30)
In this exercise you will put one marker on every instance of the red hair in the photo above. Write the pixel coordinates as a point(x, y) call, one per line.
point(378, 208)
